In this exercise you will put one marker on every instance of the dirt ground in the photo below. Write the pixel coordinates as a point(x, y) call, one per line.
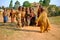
point(29, 33)
point(32, 33)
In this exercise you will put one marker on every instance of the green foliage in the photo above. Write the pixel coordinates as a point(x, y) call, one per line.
point(11, 4)
point(57, 11)
point(17, 4)
point(53, 10)
point(3, 7)
point(41, 2)
point(46, 2)
point(26, 4)
point(0, 7)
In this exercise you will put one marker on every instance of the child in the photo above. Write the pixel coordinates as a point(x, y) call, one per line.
point(18, 17)
point(43, 21)
point(32, 20)
point(5, 16)
point(23, 16)
point(12, 14)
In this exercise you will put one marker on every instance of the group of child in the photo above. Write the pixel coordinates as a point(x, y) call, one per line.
point(27, 16)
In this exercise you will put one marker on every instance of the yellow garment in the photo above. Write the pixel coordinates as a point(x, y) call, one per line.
point(43, 22)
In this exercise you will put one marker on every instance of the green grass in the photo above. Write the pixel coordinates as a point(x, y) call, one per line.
point(55, 20)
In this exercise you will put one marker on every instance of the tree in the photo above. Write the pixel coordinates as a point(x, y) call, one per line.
point(46, 2)
point(17, 4)
point(26, 4)
point(57, 11)
point(0, 7)
point(52, 10)
point(11, 4)
point(41, 2)
point(3, 7)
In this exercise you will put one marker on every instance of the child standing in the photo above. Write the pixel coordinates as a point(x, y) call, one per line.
point(5, 16)
point(18, 17)
point(12, 14)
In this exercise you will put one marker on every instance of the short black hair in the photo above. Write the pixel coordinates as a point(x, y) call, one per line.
point(19, 8)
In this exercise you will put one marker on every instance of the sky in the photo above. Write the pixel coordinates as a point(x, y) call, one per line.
point(7, 2)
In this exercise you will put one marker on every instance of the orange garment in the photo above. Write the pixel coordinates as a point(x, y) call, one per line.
point(43, 22)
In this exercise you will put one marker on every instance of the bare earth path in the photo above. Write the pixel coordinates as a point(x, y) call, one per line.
point(29, 33)
point(32, 33)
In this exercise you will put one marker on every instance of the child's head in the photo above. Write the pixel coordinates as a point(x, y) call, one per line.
point(32, 10)
point(11, 10)
point(41, 9)
point(5, 9)
point(19, 8)
point(23, 9)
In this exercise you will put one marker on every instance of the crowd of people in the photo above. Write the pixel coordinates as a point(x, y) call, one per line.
point(27, 16)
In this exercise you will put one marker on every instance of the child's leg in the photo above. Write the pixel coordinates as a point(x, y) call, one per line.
point(19, 24)
point(42, 28)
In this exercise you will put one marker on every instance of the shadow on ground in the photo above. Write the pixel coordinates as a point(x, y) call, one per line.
point(12, 26)
point(17, 29)
point(7, 24)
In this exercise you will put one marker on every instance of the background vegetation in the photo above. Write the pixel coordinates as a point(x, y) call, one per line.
point(52, 10)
